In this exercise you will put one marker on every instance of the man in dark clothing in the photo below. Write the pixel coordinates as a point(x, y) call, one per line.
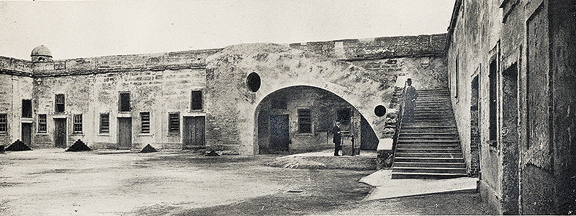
point(410, 96)
point(337, 139)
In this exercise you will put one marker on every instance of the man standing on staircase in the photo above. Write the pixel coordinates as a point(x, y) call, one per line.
point(410, 96)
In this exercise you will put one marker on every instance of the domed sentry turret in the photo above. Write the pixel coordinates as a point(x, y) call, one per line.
point(41, 54)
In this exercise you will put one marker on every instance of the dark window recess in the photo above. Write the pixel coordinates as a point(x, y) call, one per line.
point(60, 106)
point(344, 116)
point(26, 108)
point(104, 123)
point(41, 123)
point(196, 100)
point(3, 122)
point(304, 121)
point(380, 110)
point(174, 123)
point(145, 119)
point(493, 102)
point(279, 103)
point(253, 82)
point(77, 123)
point(125, 101)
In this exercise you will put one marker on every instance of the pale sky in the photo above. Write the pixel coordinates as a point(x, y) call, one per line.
point(75, 29)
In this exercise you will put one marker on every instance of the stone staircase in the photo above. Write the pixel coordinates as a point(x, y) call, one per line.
point(429, 146)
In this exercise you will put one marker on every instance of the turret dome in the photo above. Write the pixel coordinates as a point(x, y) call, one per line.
point(41, 54)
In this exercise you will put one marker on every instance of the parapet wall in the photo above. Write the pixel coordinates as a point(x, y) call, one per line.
point(378, 48)
point(125, 63)
point(14, 66)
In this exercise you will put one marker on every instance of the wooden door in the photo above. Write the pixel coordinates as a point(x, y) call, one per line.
point(279, 133)
point(193, 133)
point(60, 133)
point(124, 133)
point(27, 133)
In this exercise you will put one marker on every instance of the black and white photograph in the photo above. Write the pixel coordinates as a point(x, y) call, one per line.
point(287, 107)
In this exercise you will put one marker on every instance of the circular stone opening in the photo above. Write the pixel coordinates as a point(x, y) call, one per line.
point(380, 110)
point(253, 82)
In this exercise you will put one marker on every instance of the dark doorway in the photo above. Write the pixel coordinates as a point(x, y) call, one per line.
point(474, 128)
point(510, 137)
point(124, 133)
point(193, 132)
point(60, 133)
point(279, 134)
point(27, 133)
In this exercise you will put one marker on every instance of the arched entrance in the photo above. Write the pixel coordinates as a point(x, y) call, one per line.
point(299, 119)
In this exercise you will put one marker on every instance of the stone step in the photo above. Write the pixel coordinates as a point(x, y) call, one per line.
point(404, 175)
point(428, 150)
point(430, 170)
point(418, 164)
point(429, 159)
point(428, 137)
point(428, 145)
point(429, 154)
point(407, 140)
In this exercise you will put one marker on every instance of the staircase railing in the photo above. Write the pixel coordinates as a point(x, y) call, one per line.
point(398, 122)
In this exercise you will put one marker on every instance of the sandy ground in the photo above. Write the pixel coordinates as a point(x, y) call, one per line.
point(54, 182)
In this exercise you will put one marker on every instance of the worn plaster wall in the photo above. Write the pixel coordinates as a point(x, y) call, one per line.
point(157, 83)
point(473, 43)
point(526, 169)
point(232, 105)
point(323, 106)
point(15, 85)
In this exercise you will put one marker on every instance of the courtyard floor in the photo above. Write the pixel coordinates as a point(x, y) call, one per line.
point(54, 182)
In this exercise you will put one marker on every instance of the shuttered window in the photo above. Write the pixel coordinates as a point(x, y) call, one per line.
point(145, 122)
point(41, 123)
point(304, 121)
point(174, 123)
point(104, 123)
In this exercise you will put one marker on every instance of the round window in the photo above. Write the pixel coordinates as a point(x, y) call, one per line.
point(253, 82)
point(380, 110)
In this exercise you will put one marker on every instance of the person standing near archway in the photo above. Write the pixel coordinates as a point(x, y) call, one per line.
point(337, 138)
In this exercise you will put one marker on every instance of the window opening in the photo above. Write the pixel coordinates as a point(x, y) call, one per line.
point(26, 108)
point(60, 103)
point(125, 101)
point(493, 102)
point(77, 123)
point(145, 120)
point(196, 100)
point(304, 121)
point(253, 82)
point(3, 122)
point(42, 123)
point(174, 123)
point(104, 123)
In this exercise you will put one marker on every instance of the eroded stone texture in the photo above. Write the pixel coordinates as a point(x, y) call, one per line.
point(528, 47)
point(160, 89)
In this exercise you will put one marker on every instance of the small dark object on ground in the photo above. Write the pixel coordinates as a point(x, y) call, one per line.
point(212, 153)
point(78, 146)
point(148, 149)
point(1, 149)
point(18, 146)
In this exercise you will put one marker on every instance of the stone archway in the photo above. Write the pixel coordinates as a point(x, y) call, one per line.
point(232, 101)
point(299, 118)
